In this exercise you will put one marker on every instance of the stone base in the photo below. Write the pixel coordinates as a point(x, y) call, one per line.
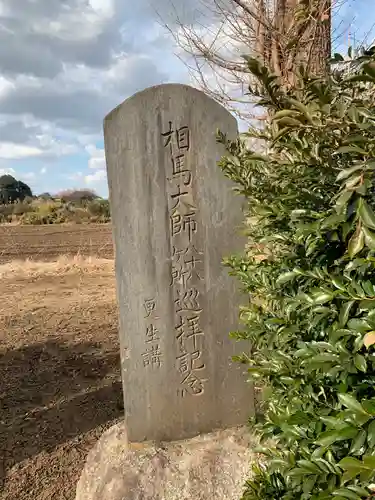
point(208, 467)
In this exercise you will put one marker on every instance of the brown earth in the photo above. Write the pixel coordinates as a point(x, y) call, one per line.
point(47, 242)
point(59, 371)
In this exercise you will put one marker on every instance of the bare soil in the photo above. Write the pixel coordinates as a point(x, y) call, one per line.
point(59, 373)
point(47, 242)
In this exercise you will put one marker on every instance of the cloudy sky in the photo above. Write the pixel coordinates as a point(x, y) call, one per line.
point(64, 64)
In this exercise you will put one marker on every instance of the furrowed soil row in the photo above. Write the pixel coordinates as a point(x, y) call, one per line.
point(48, 242)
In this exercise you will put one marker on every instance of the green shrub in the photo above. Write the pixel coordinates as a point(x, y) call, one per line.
point(33, 218)
point(21, 207)
point(6, 210)
point(99, 209)
point(309, 272)
point(79, 215)
point(48, 210)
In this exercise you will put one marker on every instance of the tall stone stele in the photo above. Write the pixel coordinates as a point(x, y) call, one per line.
point(175, 217)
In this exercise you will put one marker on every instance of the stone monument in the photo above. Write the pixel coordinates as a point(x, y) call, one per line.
point(174, 218)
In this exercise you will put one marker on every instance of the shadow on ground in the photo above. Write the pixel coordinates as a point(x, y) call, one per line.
point(54, 392)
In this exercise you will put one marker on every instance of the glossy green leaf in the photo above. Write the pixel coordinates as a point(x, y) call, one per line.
point(358, 442)
point(359, 325)
point(369, 237)
point(302, 108)
point(348, 463)
point(351, 403)
point(358, 489)
point(322, 297)
point(285, 277)
point(352, 149)
point(366, 213)
point(344, 174)
point(360, 363)
point(308, 484)
point(309, 466)
point(330, 437)
point(284, 113)
point(369, 461)
point(371, 434)
point(288, 121)
point(356, 242)
point(367, 304)
point(344, 198)
point(369, 406)
point(346, 493)
point(344, 312)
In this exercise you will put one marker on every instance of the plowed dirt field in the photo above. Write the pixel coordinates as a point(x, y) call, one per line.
point(60, 385)
point(47, 242)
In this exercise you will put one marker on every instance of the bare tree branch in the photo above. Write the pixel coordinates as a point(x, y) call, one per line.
point(282, 34)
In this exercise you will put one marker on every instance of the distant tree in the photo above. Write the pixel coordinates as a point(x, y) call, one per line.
point(77, 195)
point(12, 190)
point(45, 196)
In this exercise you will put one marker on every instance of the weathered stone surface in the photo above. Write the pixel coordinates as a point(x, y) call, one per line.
point(209, 467)
point(175, 217)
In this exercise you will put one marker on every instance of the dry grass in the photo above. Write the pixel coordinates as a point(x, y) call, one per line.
point(64, 265)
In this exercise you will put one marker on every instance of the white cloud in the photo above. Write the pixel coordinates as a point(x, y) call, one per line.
point(96, 162)
point(97, 157)
point(11, 151)
point(76, 176)
point(29, 175)
point(98, 176)
point(7, 171)
point(63, 66)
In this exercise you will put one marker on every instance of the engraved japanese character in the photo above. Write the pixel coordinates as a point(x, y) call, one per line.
point(179, 169)
point(186, 263)
point(179, 276)
point(151, 332)
point(190, 224)
point(180, 329)
point(152, 356)
point(176, 253)
point(177, 196)
point(188, 328)
point(183, 138)
point(176, 223)
point(189, 361)
point(192, 385)
point(168, 135)
point(186, 223)
point(183, 271)
point(187, 301)
point(149, 306)
point(193, 327)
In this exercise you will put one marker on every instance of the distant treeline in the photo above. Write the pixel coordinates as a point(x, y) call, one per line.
point(19, 205)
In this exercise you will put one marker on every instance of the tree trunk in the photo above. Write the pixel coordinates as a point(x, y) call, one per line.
point(299, 34)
